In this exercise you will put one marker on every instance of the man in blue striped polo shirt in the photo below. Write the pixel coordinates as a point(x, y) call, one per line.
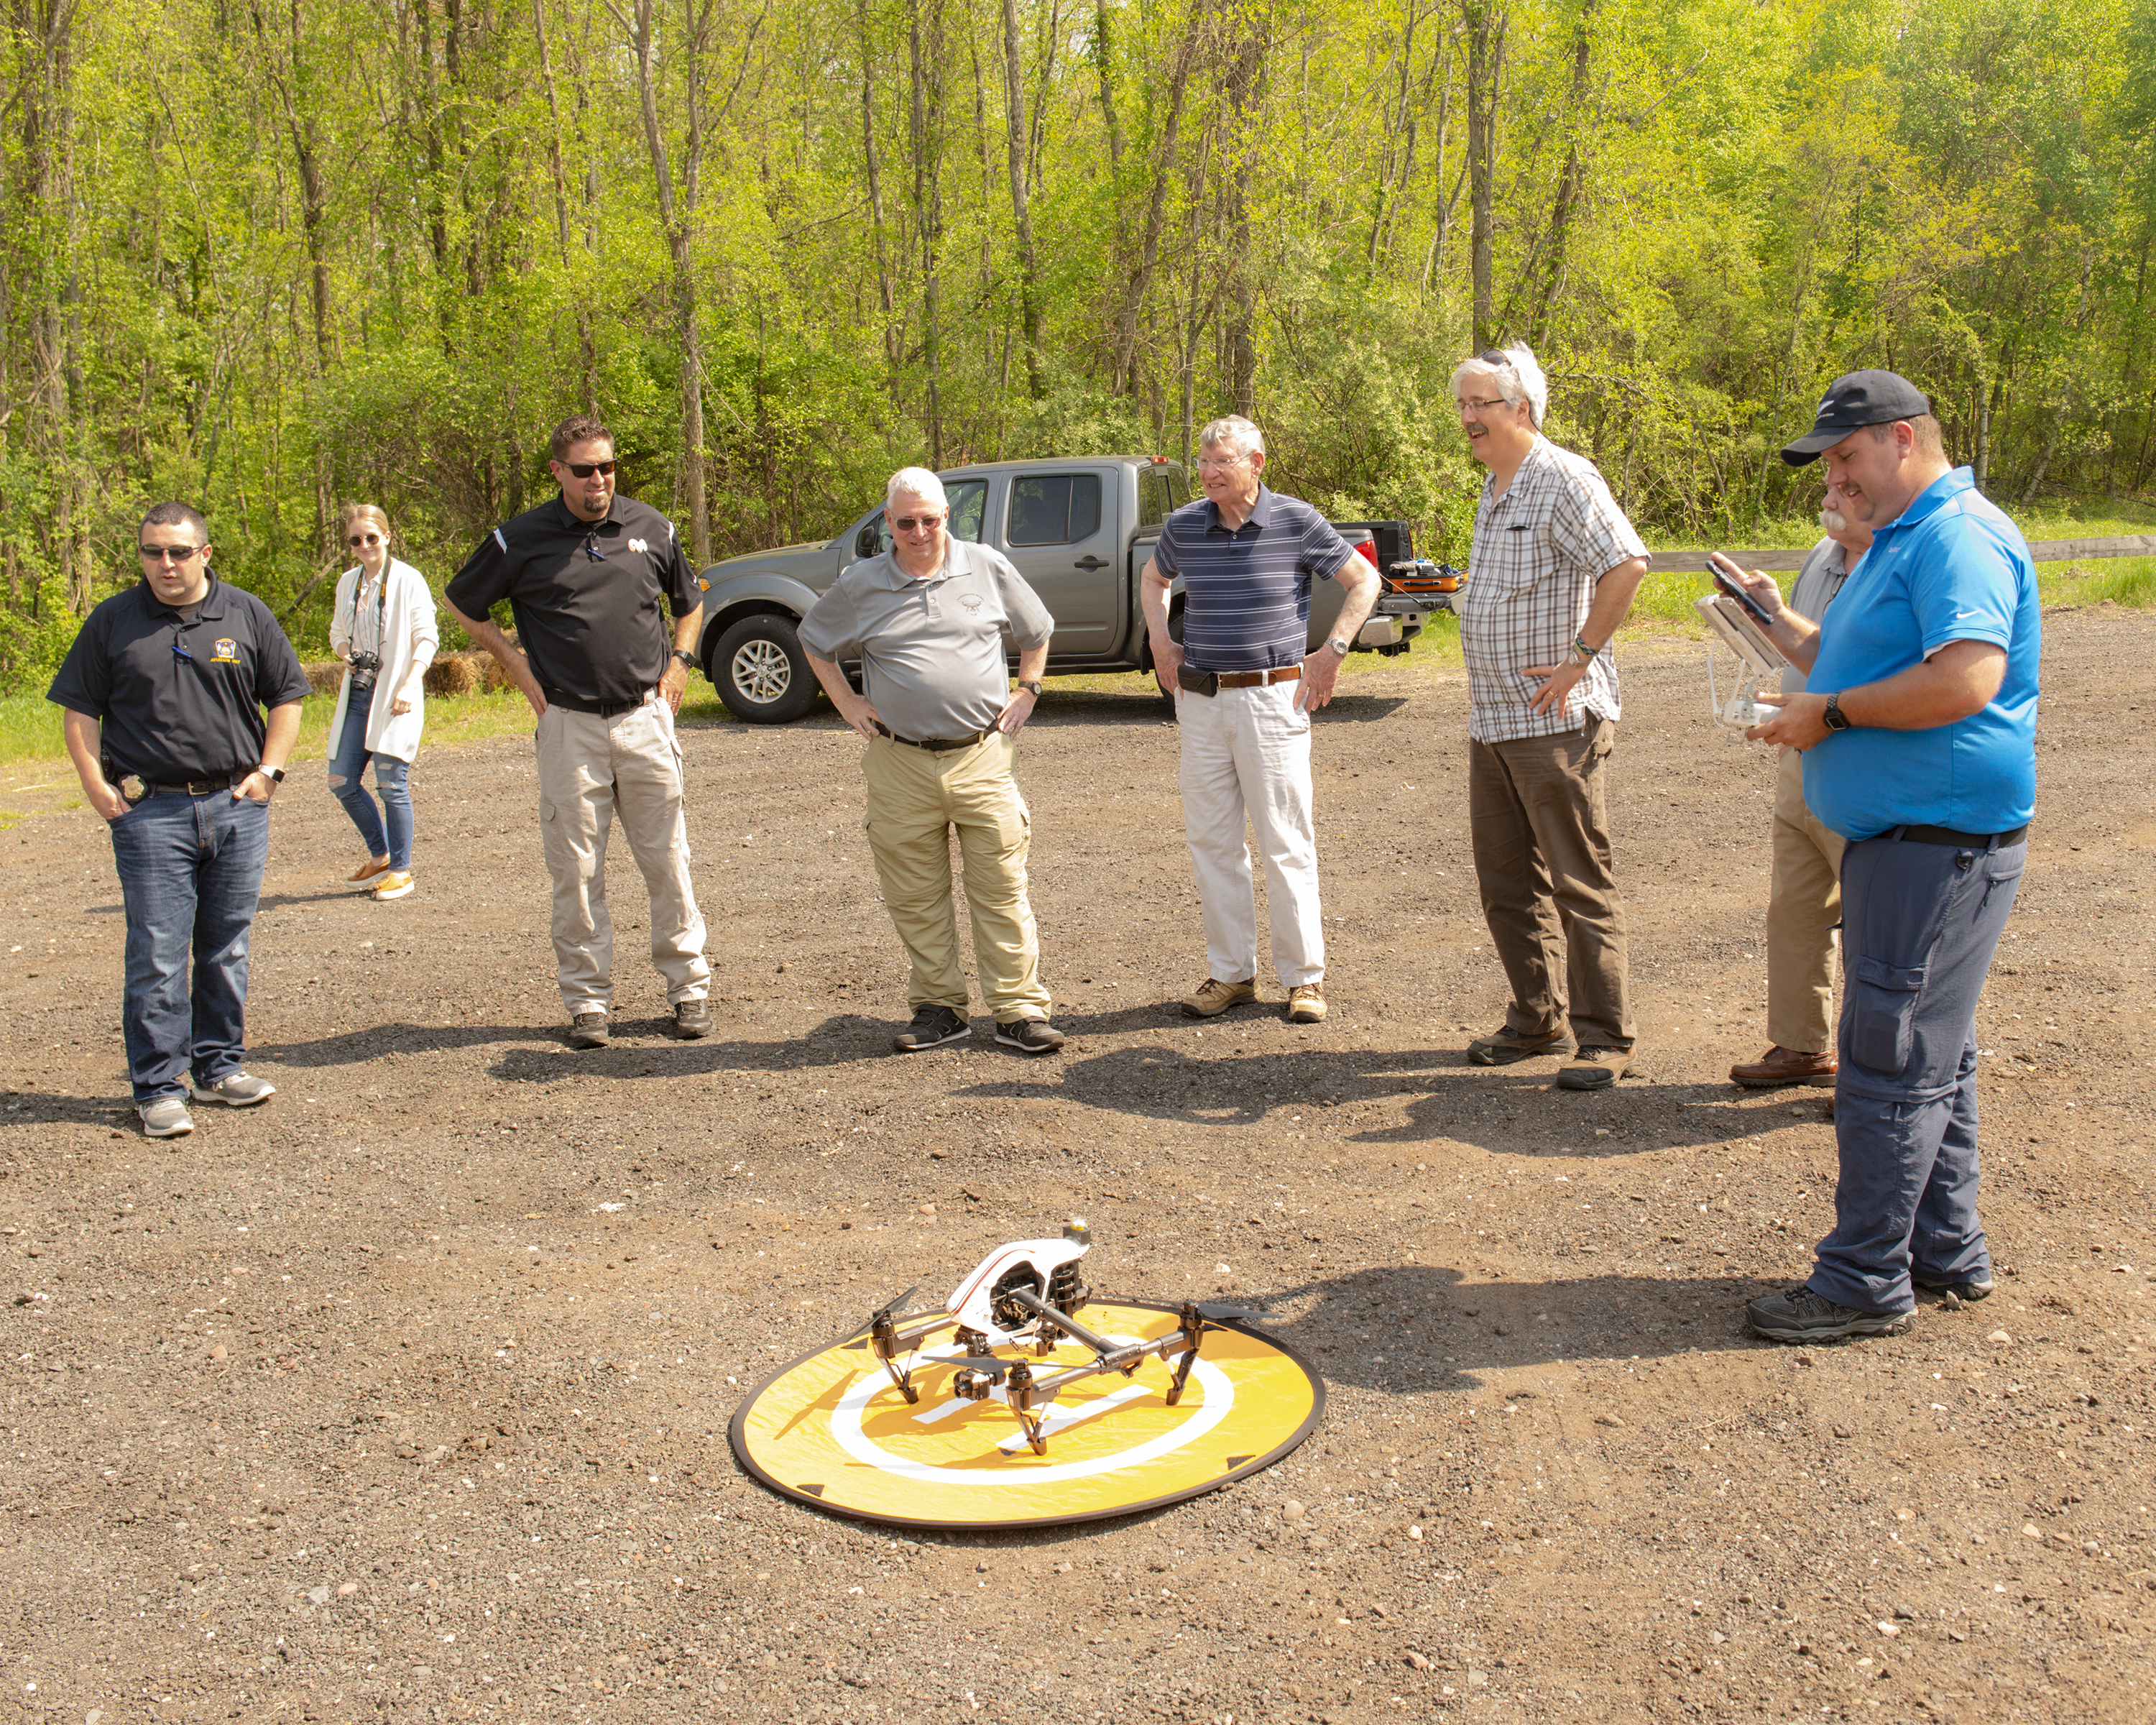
point(1244, 692)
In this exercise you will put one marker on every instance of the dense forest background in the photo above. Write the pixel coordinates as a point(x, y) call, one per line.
point(277, 254)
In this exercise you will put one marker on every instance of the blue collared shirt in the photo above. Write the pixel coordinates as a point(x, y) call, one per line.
point(1950, 567)
point(1246, 594)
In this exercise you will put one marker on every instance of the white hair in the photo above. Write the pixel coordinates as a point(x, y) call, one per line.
point(1517, 374)
point(915, 482)
point(1233, 432)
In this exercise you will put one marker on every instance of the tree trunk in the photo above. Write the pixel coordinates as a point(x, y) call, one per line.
point(926, 137)
point(1028, 273)
point(1486, 61)
point(558, 166)
point(1245, 79)
point(1570, 183)
point(1140, 279)
point(891, 339)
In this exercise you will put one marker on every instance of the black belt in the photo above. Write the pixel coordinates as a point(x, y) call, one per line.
point(1960, 841)
point(199, 787)
point(601, 709)
point(934, 745)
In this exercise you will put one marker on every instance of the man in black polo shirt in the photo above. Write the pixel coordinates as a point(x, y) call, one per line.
point(164, 690)
point(585, 576)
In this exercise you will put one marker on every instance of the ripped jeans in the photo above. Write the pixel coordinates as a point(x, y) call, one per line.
point(390, 779)
point(1920, 922)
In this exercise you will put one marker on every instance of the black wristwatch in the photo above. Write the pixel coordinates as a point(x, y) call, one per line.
point(1834, 718)
point(1032, 689)
point(687, 658)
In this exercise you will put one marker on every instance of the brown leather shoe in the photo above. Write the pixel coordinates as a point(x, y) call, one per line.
point(1305, 1003)
point(1213, 996)
point(1781, 1065)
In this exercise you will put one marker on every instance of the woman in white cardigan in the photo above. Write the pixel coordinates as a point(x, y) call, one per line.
point(384, 631)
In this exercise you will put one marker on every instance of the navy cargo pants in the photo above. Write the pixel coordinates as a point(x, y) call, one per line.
point(1920, 922)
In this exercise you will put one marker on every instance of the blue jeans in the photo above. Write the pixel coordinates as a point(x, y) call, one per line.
point(1920, 923)
point(190, 873)
point(390, 778)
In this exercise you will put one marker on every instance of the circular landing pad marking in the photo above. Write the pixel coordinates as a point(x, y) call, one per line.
point(832, 1430)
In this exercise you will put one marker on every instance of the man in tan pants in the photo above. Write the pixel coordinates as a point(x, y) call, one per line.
point(927, 620)
point(1804, 905)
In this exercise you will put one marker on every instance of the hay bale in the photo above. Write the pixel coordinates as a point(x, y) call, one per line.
point(452, 674)
point(324, 678)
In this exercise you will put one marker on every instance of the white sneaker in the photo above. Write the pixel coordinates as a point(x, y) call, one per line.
point(239, 1089)
point(165, 1117)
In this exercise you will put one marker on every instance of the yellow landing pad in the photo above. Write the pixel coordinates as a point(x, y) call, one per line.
point(832, 1430)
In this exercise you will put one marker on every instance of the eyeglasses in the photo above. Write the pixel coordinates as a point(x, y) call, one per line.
point(1493, 356)
point(169, 553)
point(585, 470)
point(358, 539)
point(1218, 464)
point(1481, 406)
point(923, 523)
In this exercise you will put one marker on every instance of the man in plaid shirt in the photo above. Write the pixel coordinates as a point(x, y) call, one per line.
point(1551, 574)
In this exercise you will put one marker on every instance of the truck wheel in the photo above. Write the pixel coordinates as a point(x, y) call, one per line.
point(761, 672)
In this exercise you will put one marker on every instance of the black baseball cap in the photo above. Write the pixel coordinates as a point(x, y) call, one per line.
point(1853, 401)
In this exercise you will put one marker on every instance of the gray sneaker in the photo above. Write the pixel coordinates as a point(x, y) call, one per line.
point(242, 1090)
point(165, 1117)
point(1800, 1315)
point(589, 1030)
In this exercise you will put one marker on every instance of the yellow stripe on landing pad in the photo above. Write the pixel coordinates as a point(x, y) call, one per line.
point(832, 1430)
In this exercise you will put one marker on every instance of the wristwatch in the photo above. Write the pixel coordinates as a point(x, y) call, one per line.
point(1579, 653)
point(1032, 689)
point(275, 775)
point(1338, 643)
point(1834, 718)
point(687, 658)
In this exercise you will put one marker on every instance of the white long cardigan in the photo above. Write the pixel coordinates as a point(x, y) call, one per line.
point(409, 637)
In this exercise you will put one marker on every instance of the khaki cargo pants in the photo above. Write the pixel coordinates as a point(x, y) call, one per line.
point(915, 799)
point(1803, 909)
point(590, 769)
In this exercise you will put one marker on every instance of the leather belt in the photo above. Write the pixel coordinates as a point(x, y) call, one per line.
point(1252, 679)
point(599, 709)
point(933, 745)
point(198, 786)
point(1960, 841)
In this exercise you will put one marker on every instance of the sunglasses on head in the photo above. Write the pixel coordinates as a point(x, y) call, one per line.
point(585, 470)
point(364, 539)
point(926, 523)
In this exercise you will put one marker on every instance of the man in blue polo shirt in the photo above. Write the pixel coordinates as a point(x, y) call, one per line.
point(163, 693)
point(1918, 725)
point(1244, 692)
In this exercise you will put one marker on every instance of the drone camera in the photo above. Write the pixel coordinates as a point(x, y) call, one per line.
point(971, 1386)
point(1008, 1312)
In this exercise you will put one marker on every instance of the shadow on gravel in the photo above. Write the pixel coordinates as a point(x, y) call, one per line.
point(27, 1108)
point(1492, 1107)
point(335, 895)
point(349, 1047)
point(1412, 1328)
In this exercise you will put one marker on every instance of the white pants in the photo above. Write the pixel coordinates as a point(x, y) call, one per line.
point(1246, 755)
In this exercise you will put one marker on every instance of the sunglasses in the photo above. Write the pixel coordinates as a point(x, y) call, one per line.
point(926, 523)
point(585, 470)
point(169, 553)
point(358, 539)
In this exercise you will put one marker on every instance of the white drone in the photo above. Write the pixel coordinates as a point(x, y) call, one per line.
point(1026, 1297)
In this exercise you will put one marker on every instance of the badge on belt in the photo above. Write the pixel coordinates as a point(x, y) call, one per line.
point(133, 788)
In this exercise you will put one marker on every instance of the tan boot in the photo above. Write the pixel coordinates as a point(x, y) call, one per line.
point(1213, 997)
point(1305, 1003)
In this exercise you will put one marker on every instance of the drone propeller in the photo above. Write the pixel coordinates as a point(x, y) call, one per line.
point(898, 1307)
point(1209, 1309)
point(986, 1365)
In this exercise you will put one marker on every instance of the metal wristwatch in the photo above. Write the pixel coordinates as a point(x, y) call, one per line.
point(1032, 689)
point(1338, 643)
point(1579, 653)
point(1834, 717)
point(686, 658)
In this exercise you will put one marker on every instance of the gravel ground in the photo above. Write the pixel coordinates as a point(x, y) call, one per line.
point(404, 1397)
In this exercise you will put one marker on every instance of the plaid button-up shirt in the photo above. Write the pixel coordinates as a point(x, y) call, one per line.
point(1538, 551)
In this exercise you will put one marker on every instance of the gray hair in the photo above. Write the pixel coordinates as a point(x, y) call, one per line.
point(1233, 432)
point(1515, 371)
point(915, 482)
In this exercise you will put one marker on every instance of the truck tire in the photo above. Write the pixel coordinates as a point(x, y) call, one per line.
point(761, 673)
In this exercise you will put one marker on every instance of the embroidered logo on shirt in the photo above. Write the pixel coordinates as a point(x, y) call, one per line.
point(227, 653)
point(972, 601)
point(639, 545)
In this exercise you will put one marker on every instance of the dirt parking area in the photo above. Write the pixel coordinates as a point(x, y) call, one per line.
point(404, 1397)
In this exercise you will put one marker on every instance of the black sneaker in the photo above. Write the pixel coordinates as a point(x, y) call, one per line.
point(1033, 1036)
point(692, 1019)
point(589, 1030)
point(1503, 1046)
point(1969, 1291)
point(1802, 1316)
point(932, 1026)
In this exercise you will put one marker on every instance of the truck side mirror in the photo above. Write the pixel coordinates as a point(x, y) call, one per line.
point(869, 542)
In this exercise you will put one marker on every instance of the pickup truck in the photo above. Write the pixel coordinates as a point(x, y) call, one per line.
point(1079, 530)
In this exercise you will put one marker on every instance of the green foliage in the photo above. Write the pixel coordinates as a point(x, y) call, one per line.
point(277, 258)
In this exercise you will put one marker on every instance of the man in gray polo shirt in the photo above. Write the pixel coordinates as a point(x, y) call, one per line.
point(1803, 904)
point(927, 619)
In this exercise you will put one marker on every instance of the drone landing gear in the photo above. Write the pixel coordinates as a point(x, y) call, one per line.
point(1193, 1331)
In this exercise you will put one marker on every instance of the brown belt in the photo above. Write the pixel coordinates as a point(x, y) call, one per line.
point(1252, 680)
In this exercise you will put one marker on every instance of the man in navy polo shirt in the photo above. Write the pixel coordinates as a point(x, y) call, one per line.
point(1918, 725)
point(163, 691)
point(590, 576)
point(1244, 692)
